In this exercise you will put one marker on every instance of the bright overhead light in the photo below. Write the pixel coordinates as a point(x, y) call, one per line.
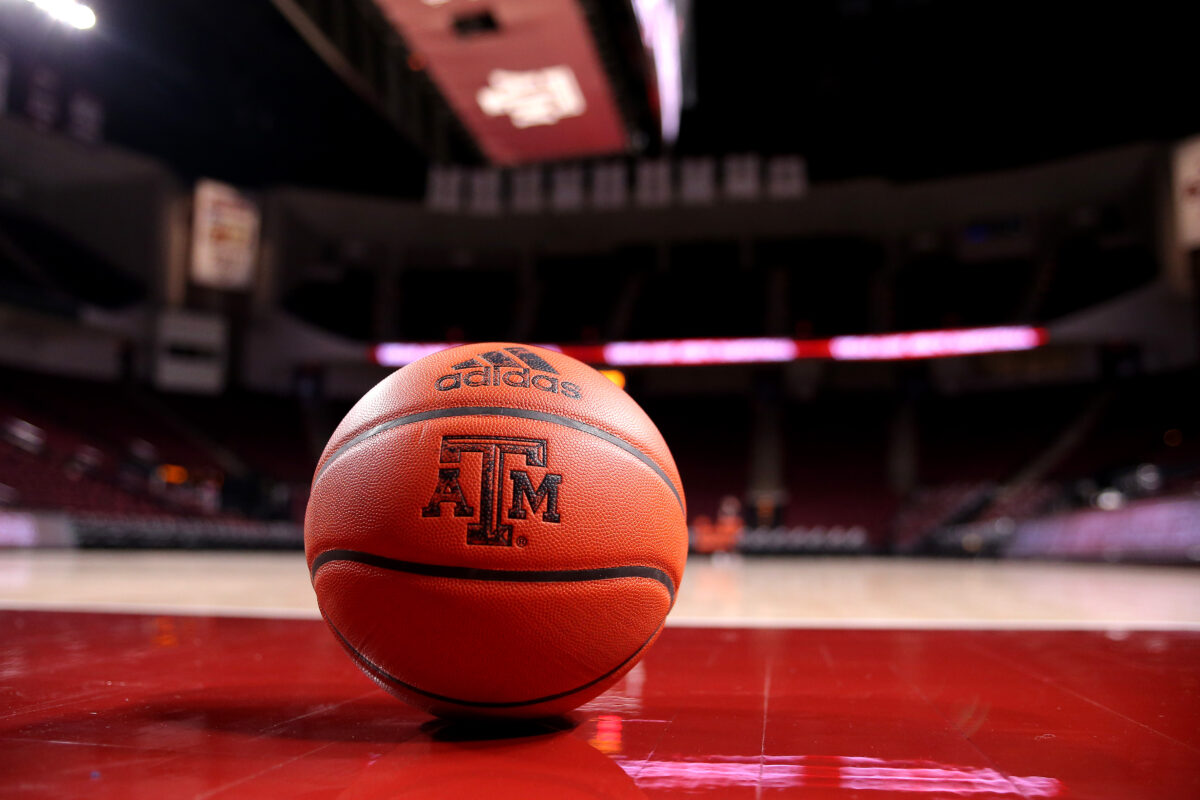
point(659, 23)
point(84, 18)
point(68, 12)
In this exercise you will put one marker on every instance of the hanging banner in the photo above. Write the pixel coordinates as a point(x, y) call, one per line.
point(1187, 193)
point(525, 77)
point(225, 230)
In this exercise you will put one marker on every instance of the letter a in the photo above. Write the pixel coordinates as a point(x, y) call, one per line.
point(448, 491)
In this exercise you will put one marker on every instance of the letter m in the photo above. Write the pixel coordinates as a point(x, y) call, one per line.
point(546, 493)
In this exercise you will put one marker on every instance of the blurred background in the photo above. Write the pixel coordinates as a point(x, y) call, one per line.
point(892, 276)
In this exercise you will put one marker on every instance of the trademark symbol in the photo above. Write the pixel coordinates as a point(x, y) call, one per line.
point(522, 541)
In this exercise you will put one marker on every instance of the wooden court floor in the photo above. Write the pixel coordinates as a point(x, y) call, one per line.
point(751, 592)
point(202, 675)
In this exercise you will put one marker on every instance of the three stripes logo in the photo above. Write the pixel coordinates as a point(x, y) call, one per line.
point(518, 367)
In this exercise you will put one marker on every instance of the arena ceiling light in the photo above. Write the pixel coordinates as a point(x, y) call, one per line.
point(694, 352)
point(68, 12)
point(660, 24)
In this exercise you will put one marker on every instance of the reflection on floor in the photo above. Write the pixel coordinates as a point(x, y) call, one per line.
point(130, 706)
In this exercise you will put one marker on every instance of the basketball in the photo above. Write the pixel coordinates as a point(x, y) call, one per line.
point(496, 529)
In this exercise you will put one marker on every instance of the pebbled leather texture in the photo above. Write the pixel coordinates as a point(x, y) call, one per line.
point(528, 466)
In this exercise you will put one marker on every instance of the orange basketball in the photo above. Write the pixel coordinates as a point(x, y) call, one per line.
point(496, 529)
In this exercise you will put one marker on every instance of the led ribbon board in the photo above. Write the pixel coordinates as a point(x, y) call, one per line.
point(692, 352)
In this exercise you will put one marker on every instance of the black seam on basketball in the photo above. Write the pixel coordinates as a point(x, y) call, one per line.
point(501, 411)
point(380, 674)
point(499, 575)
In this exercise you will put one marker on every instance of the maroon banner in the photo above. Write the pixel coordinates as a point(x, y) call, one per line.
point(523, 76)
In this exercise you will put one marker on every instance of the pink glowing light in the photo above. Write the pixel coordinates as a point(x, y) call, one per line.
point(699, 351)
point(397, 354)
point(844, 772)
point(695, 352)
point(935, 344)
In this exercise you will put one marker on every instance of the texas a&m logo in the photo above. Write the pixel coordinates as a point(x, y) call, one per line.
point(495, 478)
point(518, 367)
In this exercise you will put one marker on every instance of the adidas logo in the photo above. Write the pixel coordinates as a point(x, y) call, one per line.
point(518, 367)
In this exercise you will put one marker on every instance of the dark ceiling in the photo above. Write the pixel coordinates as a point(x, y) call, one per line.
point(906, 89)
point(223, 88)
point(911, 89)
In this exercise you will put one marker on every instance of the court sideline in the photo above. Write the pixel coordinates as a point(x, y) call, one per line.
point(729, 590)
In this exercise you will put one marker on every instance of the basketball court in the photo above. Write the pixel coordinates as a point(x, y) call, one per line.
point(153, 674)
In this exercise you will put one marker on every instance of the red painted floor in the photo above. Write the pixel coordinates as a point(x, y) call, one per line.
point(122, 706)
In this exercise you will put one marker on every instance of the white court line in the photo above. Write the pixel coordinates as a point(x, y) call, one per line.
point(823, 623)
point(914, 623)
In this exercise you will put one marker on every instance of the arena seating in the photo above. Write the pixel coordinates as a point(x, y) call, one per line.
point(46, 482)
point(266, 432)
point(1022, 501)
point(105, 456)
point(128, 452)
point(970, 450)
point(713, 460)
point(930, 507)
point(835, 460)
point(1136, 428)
